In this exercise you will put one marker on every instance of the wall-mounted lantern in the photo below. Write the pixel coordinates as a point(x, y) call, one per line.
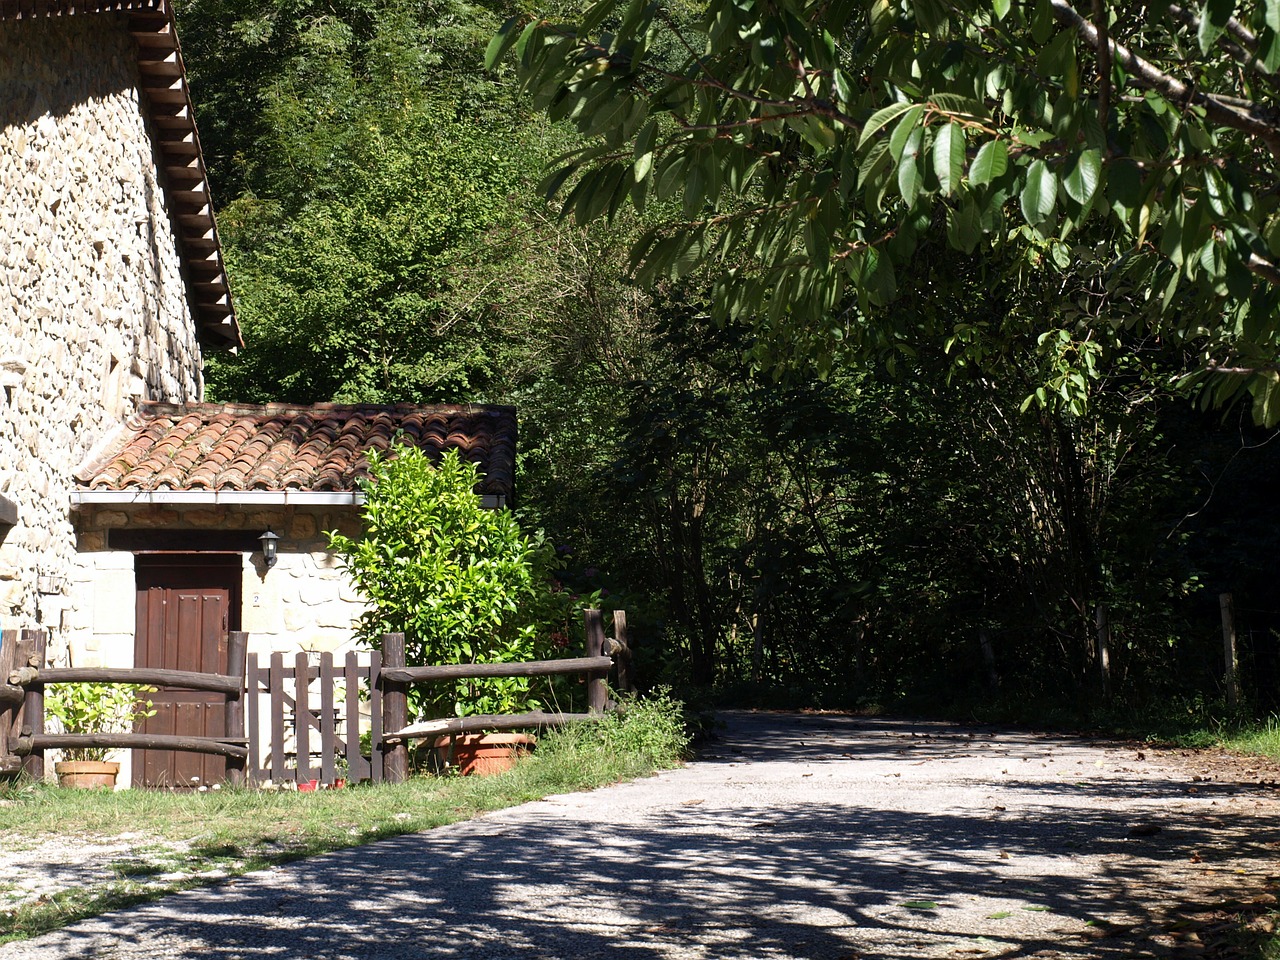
point(268, 541)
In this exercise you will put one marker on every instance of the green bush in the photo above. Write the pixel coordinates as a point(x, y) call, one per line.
point(461, 582)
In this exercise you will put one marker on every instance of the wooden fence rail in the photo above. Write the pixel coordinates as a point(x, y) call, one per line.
point(32, 741)
point(396, 679)
point(171, 679)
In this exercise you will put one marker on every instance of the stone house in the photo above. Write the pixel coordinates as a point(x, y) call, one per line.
point(111, 277)
point(131, 513)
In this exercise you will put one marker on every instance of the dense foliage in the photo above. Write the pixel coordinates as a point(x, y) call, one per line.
point(931, 494)
point(815, 145)
point(461, 582)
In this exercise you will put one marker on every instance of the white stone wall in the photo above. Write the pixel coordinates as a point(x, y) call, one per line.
point(93, 309)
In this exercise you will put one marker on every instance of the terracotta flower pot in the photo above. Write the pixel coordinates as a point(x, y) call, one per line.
point(86, 774)
point(483, 754)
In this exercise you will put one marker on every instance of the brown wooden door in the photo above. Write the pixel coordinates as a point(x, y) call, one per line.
point(186, 605)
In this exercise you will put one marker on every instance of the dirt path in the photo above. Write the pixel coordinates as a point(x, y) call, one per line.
point(791, 837)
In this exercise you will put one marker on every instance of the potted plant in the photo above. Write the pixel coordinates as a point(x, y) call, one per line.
point(94, 708)
point(461, 582)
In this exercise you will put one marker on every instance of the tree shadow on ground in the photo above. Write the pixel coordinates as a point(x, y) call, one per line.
point(821, 879)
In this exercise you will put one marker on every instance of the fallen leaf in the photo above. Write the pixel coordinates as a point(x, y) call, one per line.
point(691, 803)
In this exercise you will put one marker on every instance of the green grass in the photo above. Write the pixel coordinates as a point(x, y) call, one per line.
point(1261, 739)
point(205, 837)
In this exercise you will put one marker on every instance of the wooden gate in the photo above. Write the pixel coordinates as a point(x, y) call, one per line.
point(314, 711)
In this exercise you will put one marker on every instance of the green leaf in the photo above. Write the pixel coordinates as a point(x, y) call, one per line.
point(964, 227)
point(525, 35)
point(1081, 181)
point(1273, 15)
point(1058, 54)
point(961, 105)
point(948, 157)
point(902, 132)
point(881, 118)
point(1213, 21)
point(644, 151)
point(909, 175)
point(919, 905)
point(502, 41)
point(1042, 21)
point(990, 164)
point(1040, 194)
point(1001, 8)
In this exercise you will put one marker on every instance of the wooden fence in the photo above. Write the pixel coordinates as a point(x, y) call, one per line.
point(276, 728)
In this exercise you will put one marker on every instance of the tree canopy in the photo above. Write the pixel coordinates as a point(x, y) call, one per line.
point(977, 447)
point(820, 146)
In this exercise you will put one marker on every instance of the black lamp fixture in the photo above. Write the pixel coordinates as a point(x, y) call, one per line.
point(268, 541)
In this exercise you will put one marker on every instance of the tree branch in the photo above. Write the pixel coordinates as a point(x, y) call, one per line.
point(1104, 68)
point(1263, 268)
point(1246, 116)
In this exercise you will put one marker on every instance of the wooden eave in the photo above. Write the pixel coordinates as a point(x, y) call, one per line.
point(167, 102)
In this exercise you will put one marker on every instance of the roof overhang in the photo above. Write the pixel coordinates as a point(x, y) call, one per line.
point(236, 498)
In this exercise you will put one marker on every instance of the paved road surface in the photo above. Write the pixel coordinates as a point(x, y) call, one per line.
point(814, 837)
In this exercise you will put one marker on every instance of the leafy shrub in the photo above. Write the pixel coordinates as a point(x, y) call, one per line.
point(461, 582)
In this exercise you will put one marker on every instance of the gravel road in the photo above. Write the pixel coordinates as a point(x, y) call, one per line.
point(792, 836)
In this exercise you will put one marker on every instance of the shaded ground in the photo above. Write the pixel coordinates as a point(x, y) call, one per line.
point(793, 836)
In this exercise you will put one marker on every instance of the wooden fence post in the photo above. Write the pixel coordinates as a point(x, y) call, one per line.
point(8, 712)
point(626, 679)
point(328, 735)
point(597, 683)
point(1103, 625)
point(1231, 673)
point(395, 711)
point(302, 715)
point(234, 729)
point(989, 658)
point(31, 648)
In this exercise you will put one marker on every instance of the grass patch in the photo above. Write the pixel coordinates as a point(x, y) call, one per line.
point(1259, 739)
point(229, 832)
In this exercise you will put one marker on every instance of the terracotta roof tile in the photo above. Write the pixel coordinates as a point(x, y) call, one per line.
point(209, 446)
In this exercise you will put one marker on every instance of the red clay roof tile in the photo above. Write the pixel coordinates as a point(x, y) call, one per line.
point(207, 446)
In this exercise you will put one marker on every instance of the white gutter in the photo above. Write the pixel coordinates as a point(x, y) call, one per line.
point(213, 498)
point(242, 498)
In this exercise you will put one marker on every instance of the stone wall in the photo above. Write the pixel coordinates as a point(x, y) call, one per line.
point(93, 308)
